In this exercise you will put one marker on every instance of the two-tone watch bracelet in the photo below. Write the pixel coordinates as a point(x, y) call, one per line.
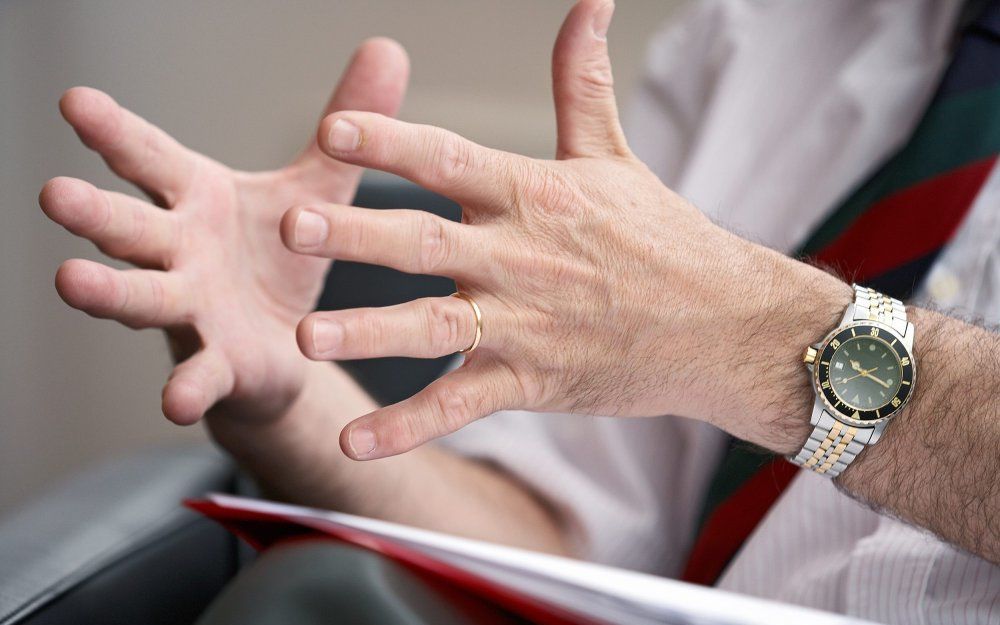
point(833, 445)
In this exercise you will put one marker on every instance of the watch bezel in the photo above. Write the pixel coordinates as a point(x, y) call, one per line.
point(821, 373)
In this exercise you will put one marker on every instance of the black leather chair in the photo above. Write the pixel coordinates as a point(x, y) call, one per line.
point(114, 545)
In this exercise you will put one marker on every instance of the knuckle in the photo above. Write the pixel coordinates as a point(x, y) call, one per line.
point(408, 430)
point(145, 157)
point(124, 306)
point(361, 334)
point(433, 246)
point(157, 300)
point(551, 192)
point(97, 212)
point(454, 409)
point(527, 386)
point(370, 335)
point(135, 237)
point(453, 156)
point(350, 236)
point(128, 241)
point(446, 325)
point(516, 178)
point(152, 150)
point(595, 79)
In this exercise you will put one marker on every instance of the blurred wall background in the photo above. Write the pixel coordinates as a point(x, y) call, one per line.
point(243, 81)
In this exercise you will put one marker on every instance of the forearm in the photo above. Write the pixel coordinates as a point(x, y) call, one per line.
point(936, 465)
point(297, 458)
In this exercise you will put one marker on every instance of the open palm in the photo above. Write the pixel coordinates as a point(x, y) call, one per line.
point(212, 270)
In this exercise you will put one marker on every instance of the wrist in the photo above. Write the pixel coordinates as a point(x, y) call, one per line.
point(789, 305)
point(922, 418)
point(290, 441)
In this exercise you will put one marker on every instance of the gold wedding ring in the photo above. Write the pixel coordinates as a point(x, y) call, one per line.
point(479, 321)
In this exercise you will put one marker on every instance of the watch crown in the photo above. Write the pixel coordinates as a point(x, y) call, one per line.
point(810, 357)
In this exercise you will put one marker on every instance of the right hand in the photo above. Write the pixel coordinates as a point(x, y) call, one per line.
point(212, 269)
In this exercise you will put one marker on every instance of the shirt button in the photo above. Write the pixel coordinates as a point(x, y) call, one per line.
point(943, 286)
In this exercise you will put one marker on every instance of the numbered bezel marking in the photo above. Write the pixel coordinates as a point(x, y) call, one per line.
point(821, 373)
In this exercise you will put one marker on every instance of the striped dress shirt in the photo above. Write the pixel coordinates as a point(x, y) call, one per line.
point(765, 113)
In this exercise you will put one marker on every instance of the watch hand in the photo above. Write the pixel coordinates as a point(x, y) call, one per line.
point(864, 372)
point(874, 379)
point(856, 366)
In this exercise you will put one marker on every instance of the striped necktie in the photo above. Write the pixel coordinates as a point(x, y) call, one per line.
point(886, 234)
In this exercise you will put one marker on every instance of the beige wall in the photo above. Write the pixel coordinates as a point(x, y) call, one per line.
point(243, 82)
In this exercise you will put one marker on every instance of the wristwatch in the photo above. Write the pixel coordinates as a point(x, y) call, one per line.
point(863, 373)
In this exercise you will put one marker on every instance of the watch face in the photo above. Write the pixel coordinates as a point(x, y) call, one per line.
point(864, 373)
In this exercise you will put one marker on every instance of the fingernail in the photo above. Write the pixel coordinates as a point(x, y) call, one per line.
point(602, 20)
point(327, 336)
point(344, 136)
point(310, 229)
point(362, 441)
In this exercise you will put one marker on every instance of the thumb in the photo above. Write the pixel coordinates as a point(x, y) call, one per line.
point(375, 80)
point(586, 113)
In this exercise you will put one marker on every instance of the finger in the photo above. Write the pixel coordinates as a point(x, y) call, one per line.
point(425, 328)
point(133, 148)
point(408, 240)
point(448, 404)
point(375, 80)
point(120, 225)
point(196, 385)
point(138, 298)
point(586, 113)
point(435, 159)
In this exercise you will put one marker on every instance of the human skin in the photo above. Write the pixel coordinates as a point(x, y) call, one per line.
point(603, 292)
point(215, 276)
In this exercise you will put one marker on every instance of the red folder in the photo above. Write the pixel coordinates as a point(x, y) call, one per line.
point(493, 582)
point(265, 529)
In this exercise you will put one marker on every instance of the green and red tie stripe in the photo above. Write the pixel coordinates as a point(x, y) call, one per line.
point(886, 234)
point(891, 229)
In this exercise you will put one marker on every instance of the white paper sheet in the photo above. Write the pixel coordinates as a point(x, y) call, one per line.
point(600, 592)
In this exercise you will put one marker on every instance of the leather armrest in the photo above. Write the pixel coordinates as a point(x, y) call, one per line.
point(115, 545)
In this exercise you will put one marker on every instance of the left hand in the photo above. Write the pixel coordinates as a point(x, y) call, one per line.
point(212, 270)
point(602, 291)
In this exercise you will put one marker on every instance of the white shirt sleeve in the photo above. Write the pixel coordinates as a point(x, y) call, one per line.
point(667, 113)
point(629, 489)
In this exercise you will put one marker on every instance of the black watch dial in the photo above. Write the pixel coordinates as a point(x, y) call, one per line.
point(865, 373)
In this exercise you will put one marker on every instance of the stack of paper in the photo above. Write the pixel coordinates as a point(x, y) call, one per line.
point(545, 589)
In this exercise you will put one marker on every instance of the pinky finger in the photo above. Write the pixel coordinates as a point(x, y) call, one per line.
point(196, 385)
point(448, 404)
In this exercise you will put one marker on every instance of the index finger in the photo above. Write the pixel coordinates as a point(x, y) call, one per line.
point(436, 159)
point(134, 149)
